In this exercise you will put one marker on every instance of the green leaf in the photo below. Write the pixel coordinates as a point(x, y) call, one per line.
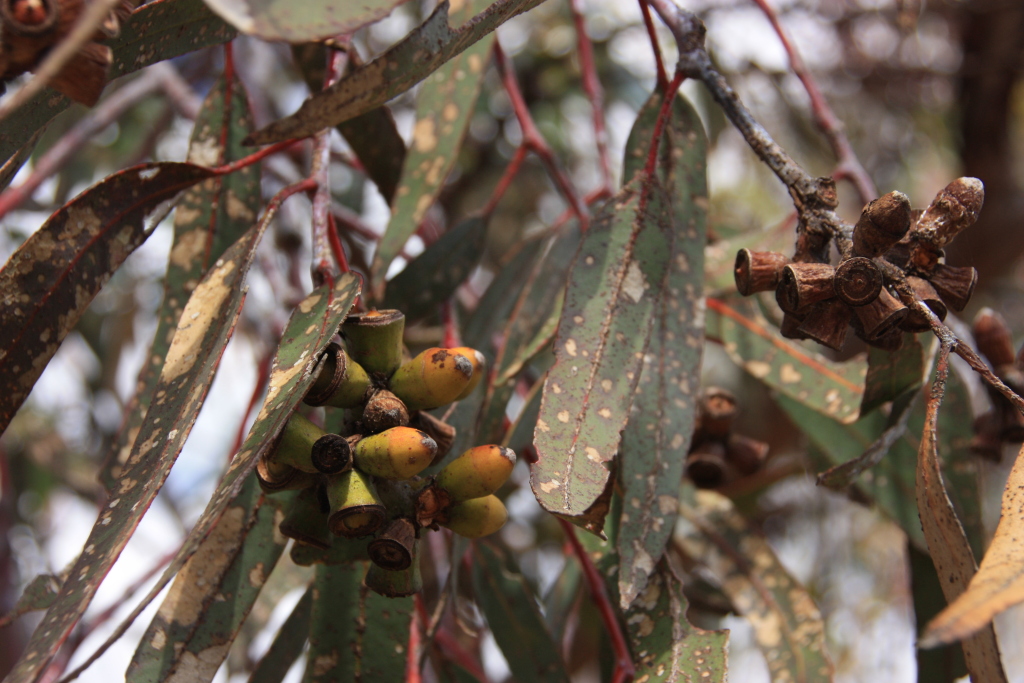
point(287, 645)
point(38, 594)
point(787, 625)
point(610, 301)
point(495, 307)
point(295, 22)
point(657, 436)
point(834, 389)
point(510, 607)
point(209, 218)
point(418, 55)
point(212, 594)
point(433, 276)
point(892, 374)
point(159, 30)
point(354, 633)
point(48, 283)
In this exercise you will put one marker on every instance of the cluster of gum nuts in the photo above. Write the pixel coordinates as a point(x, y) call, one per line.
point(366, 484)
point(820, 301)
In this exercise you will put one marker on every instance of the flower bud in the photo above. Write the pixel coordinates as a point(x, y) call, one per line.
point(432, 379)
point(478, 472)
point(398, 453)
point(476, 517)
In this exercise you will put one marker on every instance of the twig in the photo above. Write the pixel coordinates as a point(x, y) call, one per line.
point(412, 657)
point(505, 181)
point(456, 653)
point(849, 166)
point(624, 669)
point(652, 34)
point(534, 141)
point(451, 328)
point(322, 268)
point(592, 87)
point(336, 249)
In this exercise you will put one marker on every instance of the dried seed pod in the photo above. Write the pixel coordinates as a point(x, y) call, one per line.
point(440, 431)
point(706, 466)
point(29, 17)
point(804, 284)
point(790, 326)
point(758, 271)
point(479, 363)
point(954, 208)
point(85, 75)
point(340, 381)
point(478, 472)
point(826, 323)
point(476, 517)
point(883, 223)
point(398, 453)
point(745, 454)
point(432, 379)
point(924, 292)
point(294, 445)
point(890, 341)
point(384, 411)
point(331, 454)
point(858, 281)
point(716, 410)
point(305, 521)
point(394, 545)
point(955, 284)
point(274, 477)
point(993, 338)
point(880, 316)
point(356, 511)
point(394, 584)
point(374, 340)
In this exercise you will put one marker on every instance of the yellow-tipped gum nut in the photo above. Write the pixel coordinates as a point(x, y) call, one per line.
point(398, 453)
point(477, 517)
point(432, 379)
point(478, 472)
point(295, 444)
point(479, 368)
point(356, 510)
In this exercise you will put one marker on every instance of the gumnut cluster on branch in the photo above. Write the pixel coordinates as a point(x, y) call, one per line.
point(820, 301)
point(717, 455)
point(1003, 423)
point(366, 484)
point(30, 28)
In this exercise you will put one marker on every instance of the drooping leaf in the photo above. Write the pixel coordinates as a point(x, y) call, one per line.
point(355, 634)
point(444, 107)
point(158, 30)
point(510, 606)
point(433, 276)
point(287, 645)
point(295, 22)
point(657, 436)
point(787, 625)
point(609, 306)
point(943, 664)
point(213, 593)
point(418, 55)
point(892, 374)
point(38, 594)
point(49, 282)
point(209, 218)
point(11, 167)
point(835, 389)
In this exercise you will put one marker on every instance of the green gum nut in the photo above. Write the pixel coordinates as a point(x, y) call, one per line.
point(393, 584)
point(274, 477)
point(306, 522)
point(356, 511)
point(398, 453)
point(432, 379)
point(340, 381)
point(295, 443)
point(478, 472)
point(479, 368)
point(476, 517)
point(374, 340)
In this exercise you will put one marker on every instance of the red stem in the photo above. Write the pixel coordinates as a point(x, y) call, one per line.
point(506, 180)
point(262, 377)
point(336, 248)
point(412, 657)
point(255, 156)
point(456, 653)
point(653, 35)
point(592, 86)
point(659, 126)
point(451, 329)
point(624, 669)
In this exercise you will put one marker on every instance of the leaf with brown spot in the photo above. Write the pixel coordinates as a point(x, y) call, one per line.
point(296, 21)
point(355, 634)
point(418, 55)
point(159, 30)
point(835, 389)
point(787, 625)
point(947, 542)
point(657, 436)
point(610, 301)
point(892, 374)
point(209, 218)
point(38, 594)
point(287, 645)
point(210, 598)
point(444, 106)
point(49, 282)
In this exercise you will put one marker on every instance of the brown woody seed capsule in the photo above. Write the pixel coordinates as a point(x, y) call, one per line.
point(790, 326)
point(29, 17)
point(331, 454)
point(890, 341)
point(993, 337)
point(881, 316)
point(858, 281)
point(384, 411)
point(745, 454)
point(882, 224)
point(924, 292)
point(758, 271)
point(706, 466)
point(804, 284)
point(954, 284)
point(394, 546)
point(826, 323)
point(717, 410)
point(274, 477)
point(954, 208)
